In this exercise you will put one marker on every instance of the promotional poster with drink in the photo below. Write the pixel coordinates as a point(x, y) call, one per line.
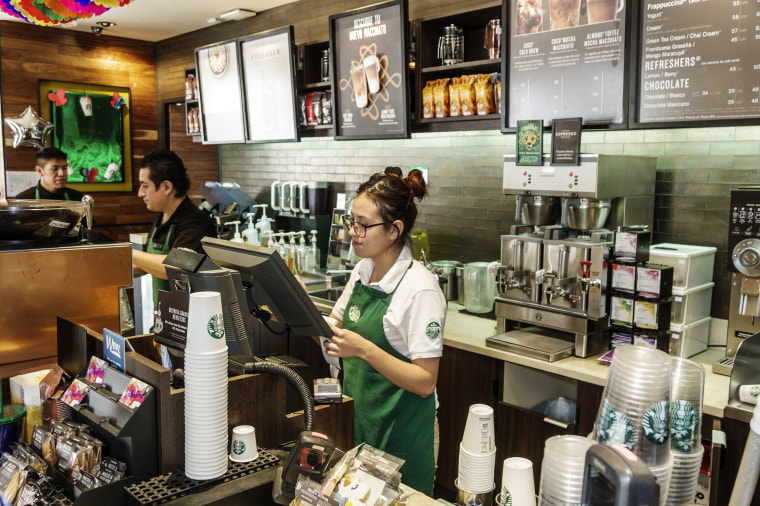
point(567, 59)
point(369, 80)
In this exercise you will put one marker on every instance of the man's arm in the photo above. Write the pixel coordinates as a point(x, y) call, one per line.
point(149, 263)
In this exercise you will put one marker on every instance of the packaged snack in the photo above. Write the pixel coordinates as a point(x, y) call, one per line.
point(467, 100)
point(498, 94)
point(29, 459)
point(86, 481)
point(316, 103)
point(96, 454)
point(441, 98)
point(12, 476)
point(310, 109)
point(111, 470)
point(428, 106)
point(454, 105)
point(373, 478)
point(484, 95)
point(72, 458)
point(44, 443)
point(302, 110)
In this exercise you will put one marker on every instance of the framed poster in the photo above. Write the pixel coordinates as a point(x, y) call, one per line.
point(93, 127)
point(566, 141)
point(530, 142)
point(369, 79)
point(566, 58)
point(223, 120)
point(269, 84)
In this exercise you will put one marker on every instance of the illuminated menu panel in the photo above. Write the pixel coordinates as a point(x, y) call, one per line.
point(699, 60)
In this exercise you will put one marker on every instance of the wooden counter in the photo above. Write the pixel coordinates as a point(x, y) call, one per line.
point(469, 333)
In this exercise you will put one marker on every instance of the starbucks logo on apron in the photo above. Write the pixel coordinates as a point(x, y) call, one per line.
point(433, 330)
point(215, 327)
point(683, 424)
point(655, 423)
point(354, 313)
point(613, 426)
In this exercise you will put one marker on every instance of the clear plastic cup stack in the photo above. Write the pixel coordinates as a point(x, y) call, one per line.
point(206, 441)
point(687, 390)
point(562, 470)
point(477, 451)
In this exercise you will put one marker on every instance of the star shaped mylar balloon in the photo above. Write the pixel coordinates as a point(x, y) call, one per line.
point(29, 129)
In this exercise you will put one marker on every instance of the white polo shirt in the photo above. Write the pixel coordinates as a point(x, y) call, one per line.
point(414, 320)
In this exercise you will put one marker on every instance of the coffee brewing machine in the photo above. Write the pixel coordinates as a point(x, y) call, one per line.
point(744, 266)
point(553, 276)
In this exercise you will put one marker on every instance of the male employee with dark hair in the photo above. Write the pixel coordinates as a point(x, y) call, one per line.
point(163, 187)
point(52, 167)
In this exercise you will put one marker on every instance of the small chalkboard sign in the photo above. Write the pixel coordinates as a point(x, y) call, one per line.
point(566, 141)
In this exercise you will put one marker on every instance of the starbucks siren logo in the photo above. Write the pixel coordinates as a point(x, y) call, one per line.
point(354, 313)
point(614, 427)
point(238, 447)
point(433, 330)
point(655, 423)
point(683, 426)
point(506, 497)
point(215, 327)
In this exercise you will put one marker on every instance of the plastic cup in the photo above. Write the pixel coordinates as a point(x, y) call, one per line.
point(205, 325)
point(517, 487)
point(243, 447)
point(478, 434)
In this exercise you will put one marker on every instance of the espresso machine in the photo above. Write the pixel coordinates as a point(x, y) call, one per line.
point(744, 266)
point(554, 262)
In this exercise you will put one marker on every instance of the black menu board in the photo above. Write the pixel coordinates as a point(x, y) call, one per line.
point(369, 79)
point(566, 58)
point(699, 60)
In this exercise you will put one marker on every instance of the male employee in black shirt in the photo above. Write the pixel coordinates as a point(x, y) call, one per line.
point(52, 167)
point(163, 187)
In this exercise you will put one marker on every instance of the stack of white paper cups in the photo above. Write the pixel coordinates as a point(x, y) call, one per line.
point(562, 470)
point(635, 408)
point(687, 386)
point(205, 389)
point(477, 452)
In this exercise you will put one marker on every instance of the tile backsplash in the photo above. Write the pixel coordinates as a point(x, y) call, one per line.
point(466, 211)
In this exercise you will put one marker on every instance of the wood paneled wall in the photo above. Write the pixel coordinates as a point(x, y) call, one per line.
point(29, 53)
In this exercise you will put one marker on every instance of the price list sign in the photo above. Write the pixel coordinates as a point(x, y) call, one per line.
point(699, 61)
point(567, 59)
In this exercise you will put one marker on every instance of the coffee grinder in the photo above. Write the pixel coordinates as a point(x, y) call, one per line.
point(554, 263)
point(744, 266)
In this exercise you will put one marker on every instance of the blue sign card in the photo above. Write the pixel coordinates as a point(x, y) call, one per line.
point(114, 349)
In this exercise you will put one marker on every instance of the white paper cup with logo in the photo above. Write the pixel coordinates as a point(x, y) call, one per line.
point(243, 447)
point(86, 104)
point(478, 434)
point(517, 484)
point(205, 325)
point(111, 170)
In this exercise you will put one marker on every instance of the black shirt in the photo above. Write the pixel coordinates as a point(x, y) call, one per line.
point(190, 225)
point(62, 194)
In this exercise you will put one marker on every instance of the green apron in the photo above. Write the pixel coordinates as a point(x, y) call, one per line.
point(386, 416)
point(37, 194)
point(160, 284)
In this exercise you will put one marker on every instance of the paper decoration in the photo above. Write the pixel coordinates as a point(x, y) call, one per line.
point(29, 129)
point(55, 12)
point(117, 101)
point(59, 97)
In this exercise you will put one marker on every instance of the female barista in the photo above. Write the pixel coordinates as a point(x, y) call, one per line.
point(390, 333)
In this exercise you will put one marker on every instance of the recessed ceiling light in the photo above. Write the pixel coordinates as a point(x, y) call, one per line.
point(106, 24)
point(237, 14)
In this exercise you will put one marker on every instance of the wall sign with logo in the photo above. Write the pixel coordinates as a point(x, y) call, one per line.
point(369, 81)
point(268, 72)
point(566, 141)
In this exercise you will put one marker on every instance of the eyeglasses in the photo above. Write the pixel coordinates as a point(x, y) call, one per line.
point(349, 223)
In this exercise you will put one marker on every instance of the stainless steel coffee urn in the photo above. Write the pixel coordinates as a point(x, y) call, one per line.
point(554, 263)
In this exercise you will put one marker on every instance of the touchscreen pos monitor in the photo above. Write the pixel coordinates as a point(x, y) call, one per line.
point(271, 285)
point(615, 476)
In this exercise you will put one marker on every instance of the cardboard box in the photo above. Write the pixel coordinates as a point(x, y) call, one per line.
point(25, 390)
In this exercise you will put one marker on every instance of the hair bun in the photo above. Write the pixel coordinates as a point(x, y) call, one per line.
point(416, 183)
point(395, 171)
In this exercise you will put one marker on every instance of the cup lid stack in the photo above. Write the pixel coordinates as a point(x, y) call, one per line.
point(206, 418)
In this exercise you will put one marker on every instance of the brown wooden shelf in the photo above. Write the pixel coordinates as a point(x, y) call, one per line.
point(481, 117)
point(493, 65)
point(317, 86)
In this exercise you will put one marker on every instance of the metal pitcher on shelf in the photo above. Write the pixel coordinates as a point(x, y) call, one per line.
point(451, 45)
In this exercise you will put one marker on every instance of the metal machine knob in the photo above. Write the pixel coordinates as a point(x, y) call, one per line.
point(746, 257)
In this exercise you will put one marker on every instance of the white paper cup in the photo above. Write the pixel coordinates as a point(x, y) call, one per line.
point(517, 487)
point(478, 434)
point(243, 447)
point(205, 325)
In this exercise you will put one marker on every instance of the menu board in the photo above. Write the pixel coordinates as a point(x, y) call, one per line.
point(369, 80)
point(566, 59)
point(699, 60)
